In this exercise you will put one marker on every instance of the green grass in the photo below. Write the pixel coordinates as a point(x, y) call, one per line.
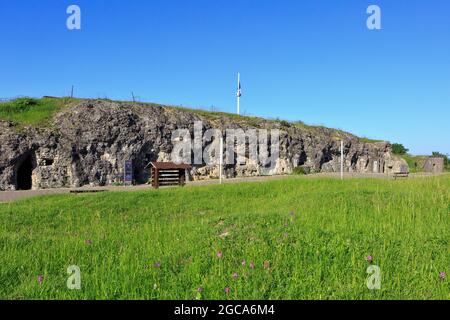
point(28, 111)
point(415, 163)
point(39, 112)
point(317, 253)
point(368, 140)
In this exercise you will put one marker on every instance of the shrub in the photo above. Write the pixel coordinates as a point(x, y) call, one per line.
point(29, 111)
point(17, 106)
point(398, 148)
point(300, 171)
point(26, 102)
point(285, 123)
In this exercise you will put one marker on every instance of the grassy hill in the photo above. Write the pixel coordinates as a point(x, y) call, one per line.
point(34, 112)
point(39, 112)
point(299, 238)
point(415, 163)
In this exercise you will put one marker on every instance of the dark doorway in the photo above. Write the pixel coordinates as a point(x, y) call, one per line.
point(24, 172)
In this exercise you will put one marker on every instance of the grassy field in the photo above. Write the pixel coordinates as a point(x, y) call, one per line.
point(300, 239)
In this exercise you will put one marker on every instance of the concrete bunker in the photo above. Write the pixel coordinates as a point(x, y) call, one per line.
point(434, 165)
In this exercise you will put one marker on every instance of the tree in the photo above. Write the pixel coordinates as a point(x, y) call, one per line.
point(398, 148)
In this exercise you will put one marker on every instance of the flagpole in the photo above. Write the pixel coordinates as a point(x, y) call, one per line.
point(221, 159)
point(342, 160)
point(238, 95)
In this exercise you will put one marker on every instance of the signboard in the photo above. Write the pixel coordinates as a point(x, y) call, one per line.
point(128, 173)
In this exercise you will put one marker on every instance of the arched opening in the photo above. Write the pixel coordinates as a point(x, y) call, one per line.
point(24, 172)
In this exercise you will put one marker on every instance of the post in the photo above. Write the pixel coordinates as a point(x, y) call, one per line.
point(239, 95)
point(221, 160)
point(342, 160)
point(132, 94)
point(71, 93)
point(157, 178)
point(128, 173)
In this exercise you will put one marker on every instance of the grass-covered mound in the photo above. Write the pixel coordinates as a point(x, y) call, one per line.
point(299, 238)
point(29, 111)
point(39, 112)
point(415, 163)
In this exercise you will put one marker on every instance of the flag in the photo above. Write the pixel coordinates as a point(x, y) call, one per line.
point(239, 92)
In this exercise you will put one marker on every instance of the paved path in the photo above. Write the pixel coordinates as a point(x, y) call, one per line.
point(10, 196)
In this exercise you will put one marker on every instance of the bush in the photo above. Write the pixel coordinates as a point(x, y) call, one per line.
point(26, 102)
point(300, 171)
point(398, 148)
point(18, 105)
point(285, 123)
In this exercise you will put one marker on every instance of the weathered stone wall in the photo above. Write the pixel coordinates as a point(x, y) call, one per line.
point(87, 144)
point(434, 165)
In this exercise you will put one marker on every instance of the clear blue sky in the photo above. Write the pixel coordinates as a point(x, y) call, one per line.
point(309, 60)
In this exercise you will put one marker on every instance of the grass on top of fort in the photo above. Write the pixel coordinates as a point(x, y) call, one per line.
point(287, 239)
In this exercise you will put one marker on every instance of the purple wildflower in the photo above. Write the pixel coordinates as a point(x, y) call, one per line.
point(200, 289)
point(243, 263)
point(235, 275)
point(252, 265)
point(442, 275)
point(157, 265)
point(88, 242)
point(40, 279)
point(369, 259)
point(219, 254)
point(227, 290)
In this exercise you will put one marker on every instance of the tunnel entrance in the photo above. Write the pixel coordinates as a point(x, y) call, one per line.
point(24, 172)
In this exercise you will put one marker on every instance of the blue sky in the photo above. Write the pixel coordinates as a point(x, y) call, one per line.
point(309, 60)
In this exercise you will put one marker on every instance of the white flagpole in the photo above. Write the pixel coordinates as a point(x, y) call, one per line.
point(239, 96)
point(342, 159)
point(221, 159)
